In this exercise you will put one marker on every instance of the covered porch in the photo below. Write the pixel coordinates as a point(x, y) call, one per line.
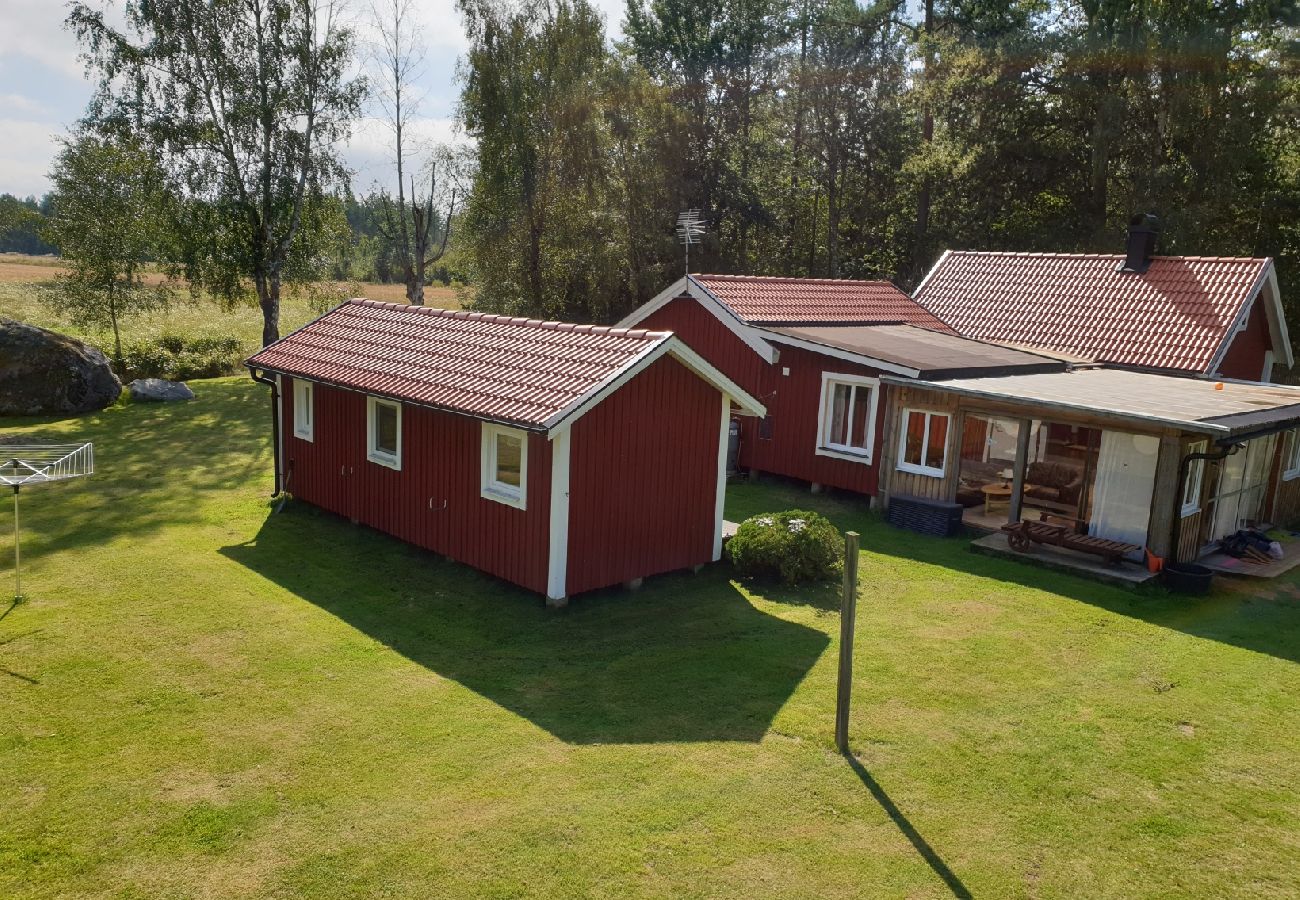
point(1159, 465)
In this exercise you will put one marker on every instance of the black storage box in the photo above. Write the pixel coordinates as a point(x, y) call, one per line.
point(937, 517)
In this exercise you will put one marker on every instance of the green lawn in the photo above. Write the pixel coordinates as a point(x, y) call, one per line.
point(205, 699)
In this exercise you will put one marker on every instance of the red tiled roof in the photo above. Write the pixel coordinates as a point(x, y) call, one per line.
point(760, 300)
point(1176, 315)
point(521, 371)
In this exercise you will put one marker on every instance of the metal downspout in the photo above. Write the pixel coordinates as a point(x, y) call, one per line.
point(275, 422)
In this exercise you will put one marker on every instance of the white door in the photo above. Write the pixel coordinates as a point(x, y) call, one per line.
point(1126, 474)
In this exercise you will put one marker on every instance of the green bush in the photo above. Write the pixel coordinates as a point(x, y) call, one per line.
point(178, 358)
point(795, 546)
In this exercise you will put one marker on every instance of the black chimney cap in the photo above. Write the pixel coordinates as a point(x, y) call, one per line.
point(1143, 231)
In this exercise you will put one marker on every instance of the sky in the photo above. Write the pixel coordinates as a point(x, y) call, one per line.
point(44, 90)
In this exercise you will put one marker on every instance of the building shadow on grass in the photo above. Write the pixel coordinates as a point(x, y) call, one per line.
point(686, 658)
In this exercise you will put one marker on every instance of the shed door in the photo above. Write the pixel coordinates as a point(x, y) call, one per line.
point(1126, 474)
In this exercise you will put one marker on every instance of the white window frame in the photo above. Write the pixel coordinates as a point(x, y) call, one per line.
point(373, 453)
point(922, 469)
point(491, 489)
point(841, 451)
point(1291, 455)
point(1194, 479)
point(304, 426)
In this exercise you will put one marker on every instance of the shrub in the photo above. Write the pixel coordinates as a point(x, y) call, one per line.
point(795, 546)
point(178, 358)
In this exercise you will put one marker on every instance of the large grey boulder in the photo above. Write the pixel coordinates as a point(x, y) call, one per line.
point(44, 373)
point(160, 389)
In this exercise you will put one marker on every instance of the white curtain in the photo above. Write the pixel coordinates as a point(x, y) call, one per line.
point(1126, 474)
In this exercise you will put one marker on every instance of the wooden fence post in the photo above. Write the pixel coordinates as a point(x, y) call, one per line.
point(848, 618)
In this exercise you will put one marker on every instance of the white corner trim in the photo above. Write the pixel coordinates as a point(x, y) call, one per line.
point(835, 451)
point(489, 487)
point(373, 454)
point(592, 398)
point(840, 353)
point(1277, 318)
point(720, 497)
point(690, 287)
point(557, 567)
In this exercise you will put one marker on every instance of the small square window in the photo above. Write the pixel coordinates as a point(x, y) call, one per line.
point(923, 444)
point(384, 432)
point(505, 465)
point(1290, 455)
point(304, 415)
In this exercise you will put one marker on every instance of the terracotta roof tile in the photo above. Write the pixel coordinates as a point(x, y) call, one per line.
point(521, 371)
point(1174, 316)
point(761, 300)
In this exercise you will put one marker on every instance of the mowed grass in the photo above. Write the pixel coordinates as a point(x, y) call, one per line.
point(202, 698)
point(21, 277)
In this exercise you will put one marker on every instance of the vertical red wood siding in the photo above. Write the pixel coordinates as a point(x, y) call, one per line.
point(434, 501)
point(700, 330)
point(792, 401)
point(643, 474)
point(792, 404)
point(1245, 356)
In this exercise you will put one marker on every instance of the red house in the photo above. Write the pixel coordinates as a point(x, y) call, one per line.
point(813, 351)
point(562, 458)
point(1176, 314)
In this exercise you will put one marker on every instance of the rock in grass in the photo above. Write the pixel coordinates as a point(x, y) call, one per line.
point(160, 389)
point(44, 373)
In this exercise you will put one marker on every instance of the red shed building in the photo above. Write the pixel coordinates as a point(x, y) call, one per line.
point(813, 351)
point(1215, 316)
point(562, 458)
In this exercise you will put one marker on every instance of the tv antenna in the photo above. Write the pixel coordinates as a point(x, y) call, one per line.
point(690, 229)
point(22, 465)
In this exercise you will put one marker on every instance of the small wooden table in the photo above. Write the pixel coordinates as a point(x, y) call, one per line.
point(997, 497)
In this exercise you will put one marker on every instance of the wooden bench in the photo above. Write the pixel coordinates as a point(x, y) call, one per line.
point(1021, 536)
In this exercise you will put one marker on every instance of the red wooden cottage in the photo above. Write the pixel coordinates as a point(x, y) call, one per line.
point(562, 458)
point(1178, 314)
point(813, 351)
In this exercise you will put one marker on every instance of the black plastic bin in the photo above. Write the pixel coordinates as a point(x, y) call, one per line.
point(1188, 578)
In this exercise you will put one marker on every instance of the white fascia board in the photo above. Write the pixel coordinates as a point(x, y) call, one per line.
point(1267, 279)
point(840, 353)
point(688, 286)
point(684, 354)
point(916, 292)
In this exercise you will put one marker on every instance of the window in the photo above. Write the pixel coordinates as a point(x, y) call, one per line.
point(384, 432)
point(1192, 485)
point(922, 447)
point(1290, 455)
point(846, 422)
point(505, 465)
point(303, 413)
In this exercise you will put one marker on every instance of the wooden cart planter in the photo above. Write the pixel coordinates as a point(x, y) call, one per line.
point(1021, 536)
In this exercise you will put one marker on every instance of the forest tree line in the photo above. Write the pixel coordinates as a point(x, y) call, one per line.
point(820, 138)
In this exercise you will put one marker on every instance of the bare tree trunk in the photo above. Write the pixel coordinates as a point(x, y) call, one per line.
point(268, 298)
point(920, 249)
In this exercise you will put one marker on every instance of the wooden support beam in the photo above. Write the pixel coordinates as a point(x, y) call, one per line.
point(1023, 429)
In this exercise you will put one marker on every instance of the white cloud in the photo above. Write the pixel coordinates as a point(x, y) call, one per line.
point(26, 155)
point(370, 151)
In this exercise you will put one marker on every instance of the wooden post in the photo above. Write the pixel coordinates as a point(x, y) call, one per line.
point(1023, 428)
point(848, 618)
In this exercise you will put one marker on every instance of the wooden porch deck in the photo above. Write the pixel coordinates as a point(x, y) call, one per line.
point(1230, 565)
point(1125, 575)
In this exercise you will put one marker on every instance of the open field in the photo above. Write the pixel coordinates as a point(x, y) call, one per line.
point(19, 299)
point(202, 698)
